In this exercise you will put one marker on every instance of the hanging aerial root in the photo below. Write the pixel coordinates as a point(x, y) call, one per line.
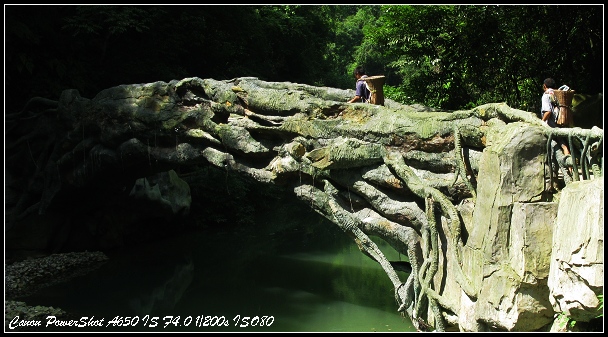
point(594, 135)
point(350, 224)
point(421, 299)
point(396, 163)
point(397, 235)
point(35, 101)
point(575, 175)
point(584, 164)
point(411, 253)
point(591, 158)
point(460, 164)
point(409, 293)
point(430, 211)
point(324, 203)
point(596, 158)
point(426, 279)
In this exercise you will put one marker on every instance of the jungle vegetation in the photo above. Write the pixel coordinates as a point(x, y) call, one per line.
point(443, 56)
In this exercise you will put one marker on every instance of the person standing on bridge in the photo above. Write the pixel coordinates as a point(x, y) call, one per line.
point(548, 114)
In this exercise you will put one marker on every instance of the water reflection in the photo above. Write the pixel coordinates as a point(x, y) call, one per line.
point(164, 297)
point(306, 280)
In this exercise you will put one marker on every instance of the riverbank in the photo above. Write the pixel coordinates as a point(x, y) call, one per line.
point(25, 277)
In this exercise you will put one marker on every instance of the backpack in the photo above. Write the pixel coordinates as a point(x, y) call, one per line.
point(374, 86)
point(563, 96)
point(554, 106)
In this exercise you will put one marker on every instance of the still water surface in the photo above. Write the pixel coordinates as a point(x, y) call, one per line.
point(298, 280)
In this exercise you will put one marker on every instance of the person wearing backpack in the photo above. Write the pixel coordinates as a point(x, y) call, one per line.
point(549, 112)
point(550, 108)
point(362, 94)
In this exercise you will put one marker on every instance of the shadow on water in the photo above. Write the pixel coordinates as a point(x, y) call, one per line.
point(311, 279)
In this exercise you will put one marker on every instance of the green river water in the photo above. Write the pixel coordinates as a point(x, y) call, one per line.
point(309, 278)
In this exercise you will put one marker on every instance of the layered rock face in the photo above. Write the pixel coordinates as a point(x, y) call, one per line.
point(526, 258)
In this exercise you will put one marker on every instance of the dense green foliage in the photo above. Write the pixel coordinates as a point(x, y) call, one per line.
point(449, 57)
point(463, 56)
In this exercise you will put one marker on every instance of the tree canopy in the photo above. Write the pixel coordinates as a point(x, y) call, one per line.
point(442, 56)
